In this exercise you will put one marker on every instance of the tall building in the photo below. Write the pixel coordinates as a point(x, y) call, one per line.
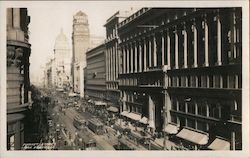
point(62, 57)
point(95, 80)
point(18, 82)
point(182, 70)
point(80, 44)
point(113, 57)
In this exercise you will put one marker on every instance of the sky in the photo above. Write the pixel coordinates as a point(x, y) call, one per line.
point(47, 21)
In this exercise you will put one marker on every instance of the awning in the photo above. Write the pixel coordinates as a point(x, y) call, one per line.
point(134, 116)
point(144, 120)
point(219, 144)
point(99, 103)
point(192, 136)
point(113, 109)
point(171, 129)
point(124, 113)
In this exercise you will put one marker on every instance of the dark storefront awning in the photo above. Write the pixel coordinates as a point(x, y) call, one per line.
point(193, 136)
point(219, 144)
point(171, 129)
point(113, 109)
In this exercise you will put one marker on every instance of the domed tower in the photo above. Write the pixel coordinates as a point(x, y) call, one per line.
point(62, 60)
point(80, 44)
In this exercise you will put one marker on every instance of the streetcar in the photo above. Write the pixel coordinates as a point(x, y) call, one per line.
point(96, 126)
point(79, 123)
point(85, 142)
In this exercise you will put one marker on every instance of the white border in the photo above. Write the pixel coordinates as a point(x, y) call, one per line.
point(188, 154)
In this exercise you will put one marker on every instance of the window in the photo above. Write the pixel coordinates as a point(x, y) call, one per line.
point(191, 107)
point(203, 81)
point(174, 104)
point(214, 110)
point(191, 123)
point(183, 81)
point(174, 119)
point(217, 81)
point(202, 126)
point(202, 109)
point(231, 81)
point(182, 106)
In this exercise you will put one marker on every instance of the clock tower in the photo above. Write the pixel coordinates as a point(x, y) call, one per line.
point(80, 44)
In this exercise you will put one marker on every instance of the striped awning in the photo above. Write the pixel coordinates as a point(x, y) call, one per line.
point(193, 136)
point(219, 144)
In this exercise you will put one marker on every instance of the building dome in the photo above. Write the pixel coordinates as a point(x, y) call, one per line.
point(61, 41)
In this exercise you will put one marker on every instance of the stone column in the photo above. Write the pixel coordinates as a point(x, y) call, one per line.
point(206, 42)
point(149, 53)
point(145, 54)
point(135, 52)
point(123, 59)
point(127, 52)
point(154, 51)
point(140, 56)
point(151, 107)
point(218, 40)
point(176, 48)
point(132, 58)
point(168, 49)
point(162, 49)
point(195, 44)
point(185, 46)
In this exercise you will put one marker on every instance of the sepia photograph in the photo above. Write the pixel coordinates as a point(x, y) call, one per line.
point(102, 78)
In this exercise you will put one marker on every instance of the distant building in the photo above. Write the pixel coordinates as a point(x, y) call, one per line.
point(18, 81)
point(113, 57)
point(95, 80)
point(50, 74)
point(80, 44)
point(182, 71)
point(62, 57)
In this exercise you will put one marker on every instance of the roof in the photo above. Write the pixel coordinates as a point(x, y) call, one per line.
point(80, 13)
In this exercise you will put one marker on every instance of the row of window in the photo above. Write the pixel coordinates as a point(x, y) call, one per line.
point(192, 123)
point(207, 81)
point(141, 81)
point(113, 86)
point(211, 108)
point(133, 108)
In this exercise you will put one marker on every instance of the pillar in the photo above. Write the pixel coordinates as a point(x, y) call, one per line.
point(140, 56)
point(195, 44)
point(151, 107)
point(145, 54)
point(162, 49)
point(149, 53)
point(206, 42)
point(154, 51)
point(218, 40)
point(168, 49)
point(135, 52)
point(127, 63)
point(185, 47)
point(132, 58)
point(176, 48)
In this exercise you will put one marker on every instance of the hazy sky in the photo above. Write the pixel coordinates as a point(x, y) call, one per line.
point(47, 20)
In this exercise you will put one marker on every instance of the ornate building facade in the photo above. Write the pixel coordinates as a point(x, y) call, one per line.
point(18, 81)
point(80, 44)
point(113, 57)
point(182, 70)
point(62, 59)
